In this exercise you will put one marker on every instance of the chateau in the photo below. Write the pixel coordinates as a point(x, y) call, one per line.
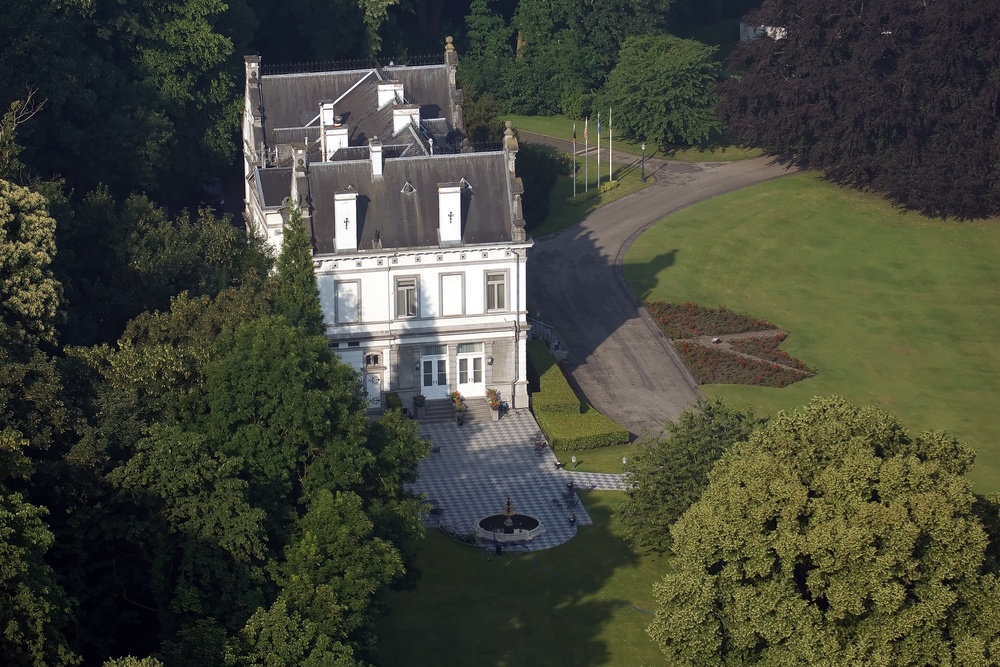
point(419, 244)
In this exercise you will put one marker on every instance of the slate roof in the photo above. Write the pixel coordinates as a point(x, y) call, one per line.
point(292, 100)
point(398, 219)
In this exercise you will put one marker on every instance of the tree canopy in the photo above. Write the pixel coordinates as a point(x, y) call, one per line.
point(832, 537)
point(896, 96)
point(667, 86)
point(666, 476)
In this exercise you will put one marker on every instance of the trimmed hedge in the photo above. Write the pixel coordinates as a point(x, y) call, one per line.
point(566, 422)
point(554, 394)
point(589, 430)
point(591, 194)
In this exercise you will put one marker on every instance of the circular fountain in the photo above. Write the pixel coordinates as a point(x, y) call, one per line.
point(508, 526)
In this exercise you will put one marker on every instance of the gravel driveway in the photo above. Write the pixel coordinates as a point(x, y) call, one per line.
point(618, 360)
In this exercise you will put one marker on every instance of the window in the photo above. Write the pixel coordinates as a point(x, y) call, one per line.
point(348, 302)
point(496, 291)
point(372, 360)
point(406, 297)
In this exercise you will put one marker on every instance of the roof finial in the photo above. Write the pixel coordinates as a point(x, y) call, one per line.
point(509, 131)
point(448, 45)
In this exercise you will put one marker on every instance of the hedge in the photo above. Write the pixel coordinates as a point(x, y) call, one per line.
point(555, 394)
point(589, 430)
point(566, 422)
point(590, 194)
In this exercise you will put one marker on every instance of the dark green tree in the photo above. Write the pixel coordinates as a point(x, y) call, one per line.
point(832, 537)
point(667, 476)
point(297, 296)
point(668, 87)
point(895, 96)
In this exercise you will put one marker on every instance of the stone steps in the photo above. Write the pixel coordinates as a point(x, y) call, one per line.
point(476, 410)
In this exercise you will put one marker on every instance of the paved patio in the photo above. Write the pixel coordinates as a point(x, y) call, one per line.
point(479, 464)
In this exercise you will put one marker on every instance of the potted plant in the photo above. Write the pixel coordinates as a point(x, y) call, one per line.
point(493, 398)
point(419, 405)
point(458, 403)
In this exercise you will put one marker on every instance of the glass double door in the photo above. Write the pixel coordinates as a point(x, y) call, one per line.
point(434, 377)
point(470, 376)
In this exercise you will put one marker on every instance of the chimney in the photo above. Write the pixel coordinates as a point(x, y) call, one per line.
point(389, 91)
point(375, 151)
point(252, 66)
point(449, 213)
point(333, 133)
point(300, 184)
point(510, 146)
point(345, 214)
point(406, 114)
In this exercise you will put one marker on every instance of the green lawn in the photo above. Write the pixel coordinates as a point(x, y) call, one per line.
point(561, 127)
point(467, 610)
point(562, 215)
point(602, 459)
point(892, 308)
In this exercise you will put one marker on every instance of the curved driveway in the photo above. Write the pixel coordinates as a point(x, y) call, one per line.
point(617, 357)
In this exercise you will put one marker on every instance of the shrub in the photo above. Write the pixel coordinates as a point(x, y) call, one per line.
point(712, 365)
point(766, 347)
point(591, 194)
point(392, 400)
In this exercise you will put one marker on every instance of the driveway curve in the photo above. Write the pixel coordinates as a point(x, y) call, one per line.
point(617, 357)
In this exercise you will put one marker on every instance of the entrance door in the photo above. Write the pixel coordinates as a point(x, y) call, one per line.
point(434, 377)
point(470, 376)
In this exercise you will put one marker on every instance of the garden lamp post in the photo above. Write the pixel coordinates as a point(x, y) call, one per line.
point(644, 162)
point(573, 460)
point(624, 461)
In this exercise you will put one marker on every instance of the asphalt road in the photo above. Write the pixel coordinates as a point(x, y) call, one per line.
point(617, 358)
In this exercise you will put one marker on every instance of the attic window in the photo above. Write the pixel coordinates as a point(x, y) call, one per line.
point(408, 189)
point(466, 184)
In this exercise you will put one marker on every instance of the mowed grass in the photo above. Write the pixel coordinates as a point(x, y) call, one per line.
point(562, 215)
point(892, 308)
point(570, 606)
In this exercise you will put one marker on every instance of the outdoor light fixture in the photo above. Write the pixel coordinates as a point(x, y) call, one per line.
point(416, 365)
point(573, 459)
point(643, 162)
point(489, 361)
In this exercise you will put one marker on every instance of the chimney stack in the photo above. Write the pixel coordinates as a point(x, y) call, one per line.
point(333, 133)
point(375, 150)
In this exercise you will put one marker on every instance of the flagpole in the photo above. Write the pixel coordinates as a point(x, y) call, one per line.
point(610, 144)
point(598, 149)
point(574, 158)
point(586, 156)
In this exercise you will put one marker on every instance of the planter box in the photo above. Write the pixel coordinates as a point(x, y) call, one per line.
point(495, 414)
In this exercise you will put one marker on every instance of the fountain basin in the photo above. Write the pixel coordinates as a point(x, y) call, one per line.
point(508, 528)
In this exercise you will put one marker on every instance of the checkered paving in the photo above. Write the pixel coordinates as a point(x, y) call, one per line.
point(475, 467)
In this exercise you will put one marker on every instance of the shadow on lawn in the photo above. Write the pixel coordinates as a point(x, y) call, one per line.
point(547, 608)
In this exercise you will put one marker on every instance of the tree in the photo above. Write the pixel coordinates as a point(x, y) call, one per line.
point(297, 296)
point(895, 96)
point(667, 476)
point(667, 85)
point(832, 537)
point(34, 607)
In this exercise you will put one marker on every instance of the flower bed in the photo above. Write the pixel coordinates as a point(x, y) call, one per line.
point(766, 347)
point(713, 365)
point(687, 320)
point(716, 364)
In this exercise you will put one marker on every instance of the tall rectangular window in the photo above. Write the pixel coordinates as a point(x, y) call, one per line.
point(406, 297)
point(496, 291)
